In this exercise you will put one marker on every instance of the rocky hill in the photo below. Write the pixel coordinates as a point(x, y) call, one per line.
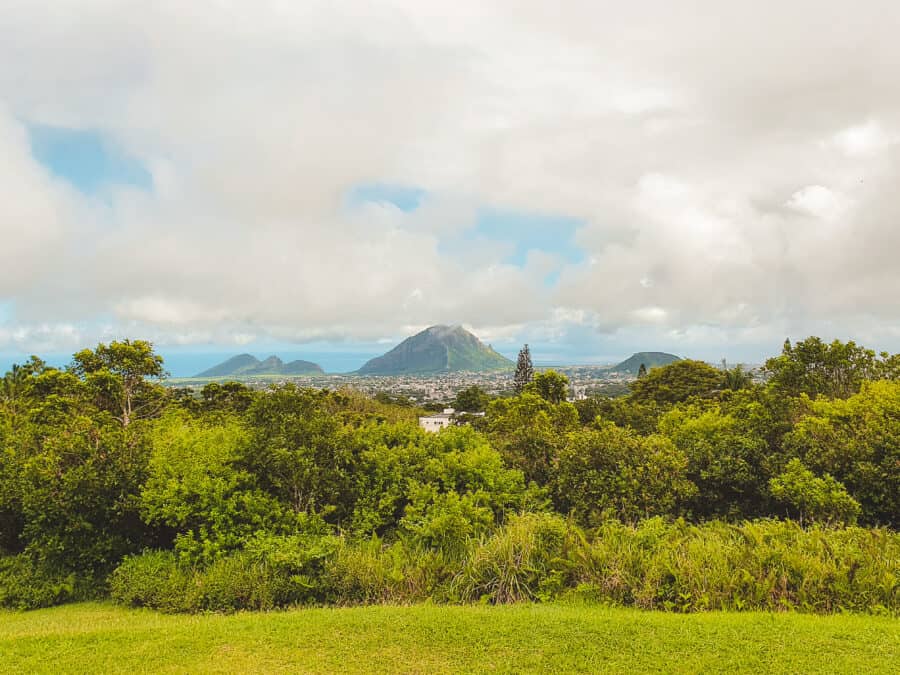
point(438, 349)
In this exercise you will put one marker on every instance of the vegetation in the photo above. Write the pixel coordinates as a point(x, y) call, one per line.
point(669, 498)
point(524, 370)
point(425, 638)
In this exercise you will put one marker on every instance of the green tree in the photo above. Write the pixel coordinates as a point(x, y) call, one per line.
point(610, 471)
point(298, 451)
point(727, 461)
point(524, 370)
point(471, 399)
point(437, 489)
point(816, 368)
point(196, 488)
point(857, 441)
point(622, 411)
point(226, 397)
point(677, 382)
point(529, 431)
point(550, 386)
point(642, 371)
point(120, 374)
point(813, 499)
point(80, 481)
point(737, 378)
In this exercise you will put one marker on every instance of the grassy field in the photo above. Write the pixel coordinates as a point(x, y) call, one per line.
point(428, 639)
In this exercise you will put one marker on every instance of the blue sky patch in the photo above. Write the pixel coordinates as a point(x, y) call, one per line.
point(404, 197)
point(547, 233)
point(518, 231)
point(86, 159)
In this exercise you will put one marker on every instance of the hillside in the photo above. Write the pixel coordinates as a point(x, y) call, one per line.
point(438, 349)
point(247, 365)
point(650, 359)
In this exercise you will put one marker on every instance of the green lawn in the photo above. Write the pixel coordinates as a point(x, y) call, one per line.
point(429, 639)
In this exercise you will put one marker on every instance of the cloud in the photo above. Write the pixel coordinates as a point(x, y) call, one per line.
point(730, 172)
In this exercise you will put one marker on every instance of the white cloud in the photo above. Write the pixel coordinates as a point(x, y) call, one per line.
point(689, 142)
point(818, 201)
point(862, 140)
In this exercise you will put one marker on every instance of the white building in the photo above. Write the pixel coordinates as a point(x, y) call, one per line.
point(437, 421)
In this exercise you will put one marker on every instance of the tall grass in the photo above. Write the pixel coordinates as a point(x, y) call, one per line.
point(767, 565)
point(755, 565)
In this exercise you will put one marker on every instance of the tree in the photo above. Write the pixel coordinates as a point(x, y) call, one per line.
point(726, 461)
point(856, 440)
point(529, 431)
point(196, 488)
point(524, 370)
point(811, 498)
point(737, 378)
point(471, 399)
point(550, 386)
point(299, 452)
point(608, 470)
point(227, 397)
point(118, 374)
point(642, 371)
point(816, 368)
point(677, 382)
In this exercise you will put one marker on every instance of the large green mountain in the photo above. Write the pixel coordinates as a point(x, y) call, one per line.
point(246, 364)
point(439, 349)
point(650, 360)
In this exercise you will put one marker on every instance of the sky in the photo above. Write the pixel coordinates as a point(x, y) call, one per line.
point(594, 178)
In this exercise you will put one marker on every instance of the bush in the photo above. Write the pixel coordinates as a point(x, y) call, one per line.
point(760, 565)
point(271, 572)
point(526, 559)
point(26, 584)
point(370, 572)
point(155, 579)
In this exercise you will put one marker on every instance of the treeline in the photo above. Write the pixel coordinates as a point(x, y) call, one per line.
point(700, 489)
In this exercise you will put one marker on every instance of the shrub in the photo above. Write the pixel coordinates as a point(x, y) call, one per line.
point(26, 584)
point(271, 572)
point(813, 498)
point(526, 559)
point(369, 572)
point(762, 565)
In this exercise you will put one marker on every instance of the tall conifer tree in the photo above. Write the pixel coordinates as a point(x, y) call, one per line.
point(524, 370)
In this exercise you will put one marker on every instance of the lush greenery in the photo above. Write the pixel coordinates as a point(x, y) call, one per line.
point(515, 639)
point(699, 490)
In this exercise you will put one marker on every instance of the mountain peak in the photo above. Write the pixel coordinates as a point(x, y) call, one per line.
point(437, 349)
point(649, 359)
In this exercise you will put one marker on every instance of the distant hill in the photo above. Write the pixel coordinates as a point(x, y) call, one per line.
point(247, 364)
point(439, 349)
point(650, 359)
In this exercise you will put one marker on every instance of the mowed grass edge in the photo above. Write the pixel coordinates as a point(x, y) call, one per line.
point(431, 639)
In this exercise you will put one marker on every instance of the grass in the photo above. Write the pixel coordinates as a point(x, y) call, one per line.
point(430, 639)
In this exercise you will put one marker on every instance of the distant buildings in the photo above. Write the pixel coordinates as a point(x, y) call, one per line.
point(436, 422)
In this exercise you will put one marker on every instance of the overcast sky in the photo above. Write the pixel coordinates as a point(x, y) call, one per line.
point(705, 178)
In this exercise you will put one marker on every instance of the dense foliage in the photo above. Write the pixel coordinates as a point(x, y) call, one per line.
point(668, 497)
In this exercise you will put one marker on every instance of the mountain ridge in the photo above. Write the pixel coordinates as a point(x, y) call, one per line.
point(247, 364)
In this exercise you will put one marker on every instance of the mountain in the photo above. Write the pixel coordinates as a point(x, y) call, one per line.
point(650, 359)
point(247, 364)
point(439, 349)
